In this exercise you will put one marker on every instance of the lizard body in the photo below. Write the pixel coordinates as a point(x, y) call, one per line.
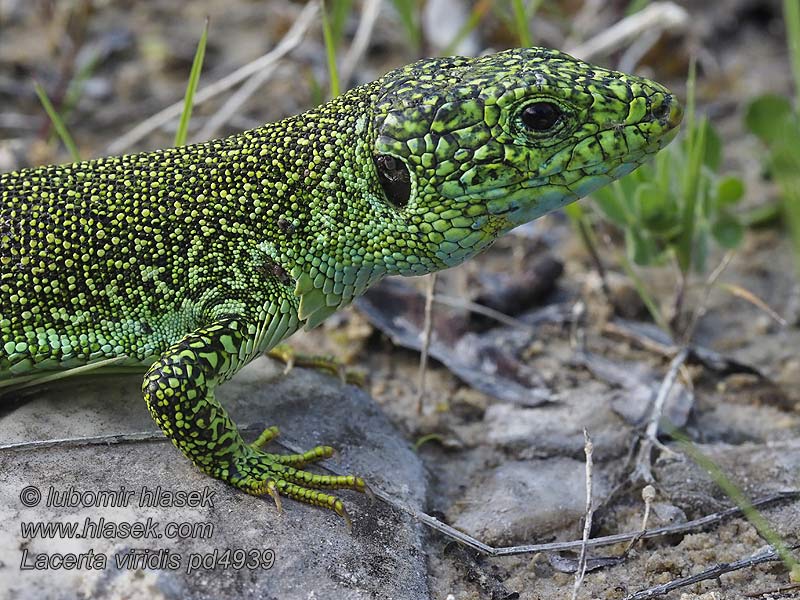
point(189, 262)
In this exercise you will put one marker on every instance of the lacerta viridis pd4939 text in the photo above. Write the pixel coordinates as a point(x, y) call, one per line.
point(189, 262)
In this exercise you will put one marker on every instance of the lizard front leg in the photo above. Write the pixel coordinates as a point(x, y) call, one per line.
point(179, 391)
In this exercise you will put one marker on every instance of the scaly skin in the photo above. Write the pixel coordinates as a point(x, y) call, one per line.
point(191, 261)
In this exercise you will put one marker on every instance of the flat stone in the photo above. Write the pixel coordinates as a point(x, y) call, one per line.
point(308, 551)
point(521, 501)
point(557, 429)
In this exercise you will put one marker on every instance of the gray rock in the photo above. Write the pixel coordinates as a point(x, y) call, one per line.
point(314, 555)
point(758, 470)
point(639, 387)
point(521, 501)
point(667, 514)
point(557, 429)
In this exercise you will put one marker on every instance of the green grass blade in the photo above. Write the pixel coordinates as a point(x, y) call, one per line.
point(641, 289)
point(191, 88)
point(691, 92)
point(407, 9)
point(695, 152)
point(330, 51)
point(738, 497)
point(58, 122)
point(635, 6)
point(791, 14)
point(340, 9)
point(76, 86)
point(521, 22)
point(788, 179)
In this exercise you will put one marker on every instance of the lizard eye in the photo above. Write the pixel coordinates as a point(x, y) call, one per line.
point(394, 178)
point(541, 116)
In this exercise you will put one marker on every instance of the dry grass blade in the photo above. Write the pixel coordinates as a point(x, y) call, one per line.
point(232, 105)
point(642, 471)
point(700, 312)
point(750, 297)
point(658, 15)
point(366, 26)
point(288, 43)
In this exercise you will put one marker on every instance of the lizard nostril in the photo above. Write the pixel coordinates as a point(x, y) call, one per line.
point(661, 112)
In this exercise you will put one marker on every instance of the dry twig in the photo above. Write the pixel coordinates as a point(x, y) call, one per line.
point(656, 16)
point(234, 103)
point(580, 572)
point(432, 522)
point(642, 470)
point(714, 572)
point(427, 330)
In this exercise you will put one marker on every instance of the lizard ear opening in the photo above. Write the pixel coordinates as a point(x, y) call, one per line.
point(394, 178)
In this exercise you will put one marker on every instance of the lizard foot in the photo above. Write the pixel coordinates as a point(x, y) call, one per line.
point(289, 357)
point(258, 473)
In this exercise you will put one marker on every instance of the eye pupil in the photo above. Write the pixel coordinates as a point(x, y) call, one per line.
point(394, 179)
point(541, 116)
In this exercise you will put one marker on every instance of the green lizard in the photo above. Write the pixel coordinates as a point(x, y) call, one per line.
point(189, 262)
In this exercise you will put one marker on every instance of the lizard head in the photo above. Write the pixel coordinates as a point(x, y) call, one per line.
point(466, 149)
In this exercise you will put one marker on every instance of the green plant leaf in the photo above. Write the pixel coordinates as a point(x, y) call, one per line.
point(727, 231)
point(657, 209)
point(699, 256)
point(612, 206)
point(730, 190)
point(785, 156)
point(768, 116)
point(641, 248)
point(690, 192)
point(712, 157)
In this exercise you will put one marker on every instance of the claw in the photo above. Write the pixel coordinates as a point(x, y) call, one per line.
point(370, 494)
point(272, 490)
point(340, 510)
